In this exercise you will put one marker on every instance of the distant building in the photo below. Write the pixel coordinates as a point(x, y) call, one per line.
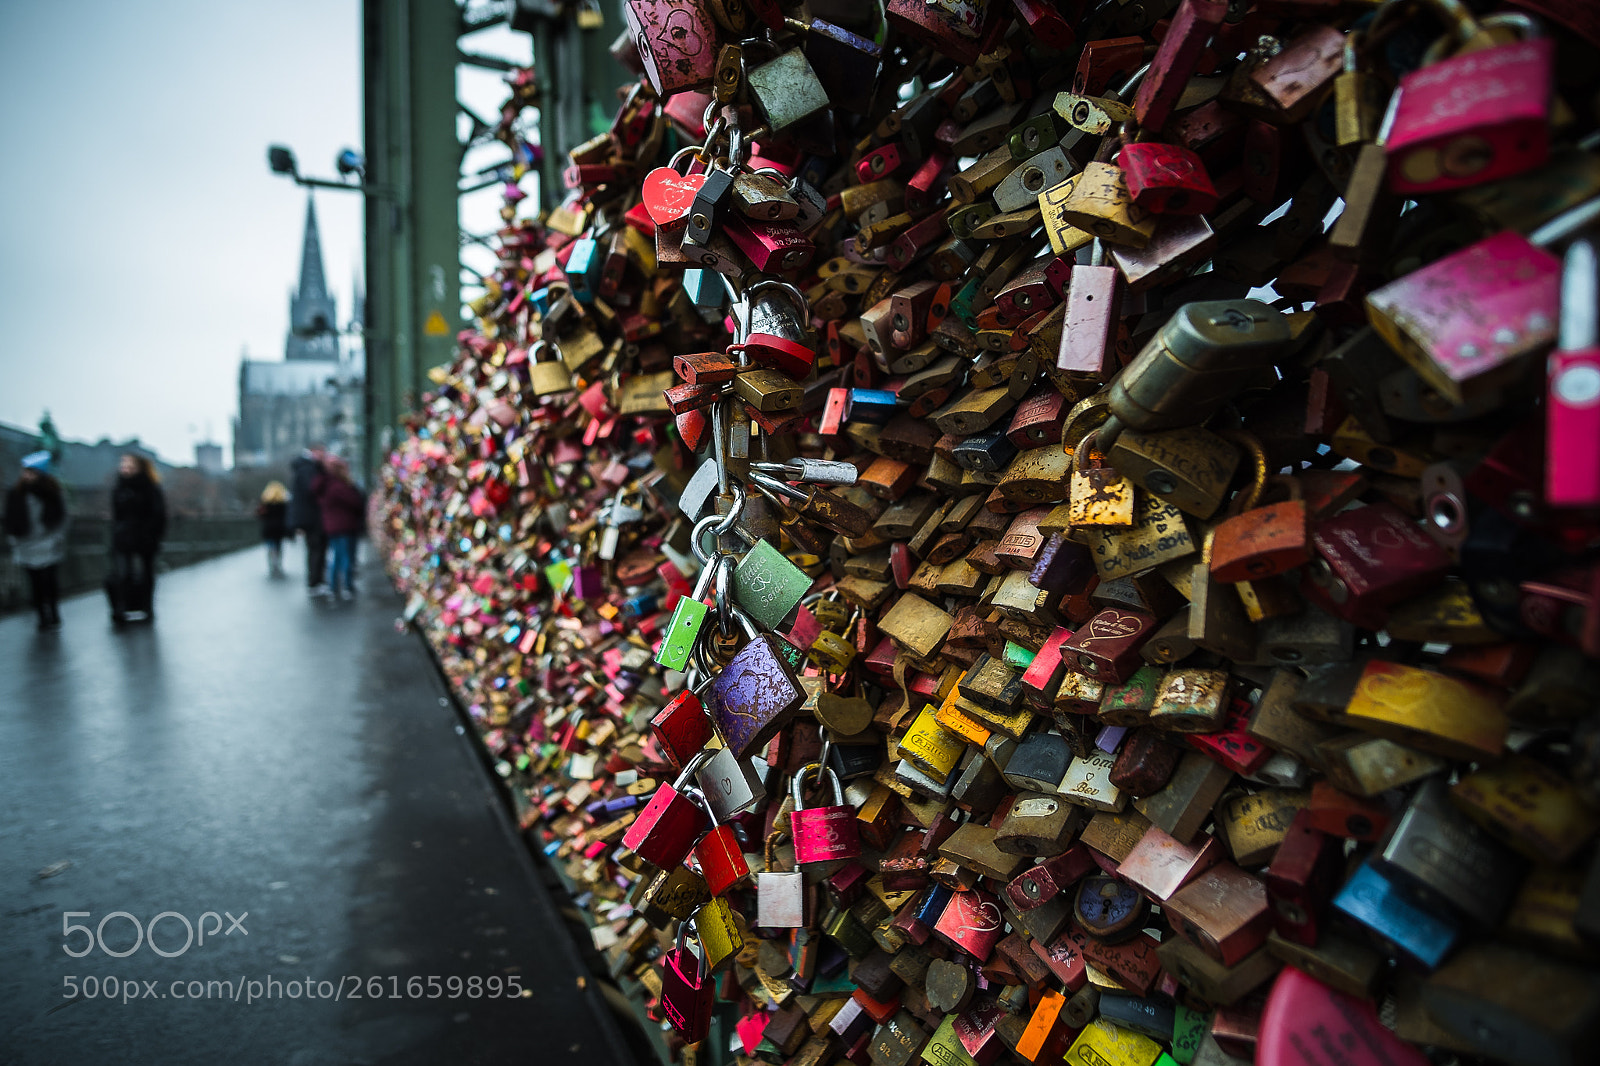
point(315, 393)
point(208, 458)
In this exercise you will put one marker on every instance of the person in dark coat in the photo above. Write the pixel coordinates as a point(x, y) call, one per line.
point(273, 510)
point(305, 515)
point(36, 521)
point(344, 510)
point(138, 524)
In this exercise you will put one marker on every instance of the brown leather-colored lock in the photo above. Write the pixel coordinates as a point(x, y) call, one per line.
point(1098, 496)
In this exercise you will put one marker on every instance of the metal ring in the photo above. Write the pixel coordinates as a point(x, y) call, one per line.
point(697, 533)
point(732, 517)
point(724, 585)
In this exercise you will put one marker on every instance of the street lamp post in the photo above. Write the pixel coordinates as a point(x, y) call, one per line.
point(348, 162)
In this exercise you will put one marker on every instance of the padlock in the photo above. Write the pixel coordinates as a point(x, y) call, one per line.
point(1197, 361)
point(682, 727)
point(550, 376)
point(666, 830)
point(1262, 541)
point(823, 834)
point(686, 998)
point(780, 896)
point(777, 334)
point(1439, 136)
point(1572, 403)
point(1098, 496)
point(730, 785)
point(1167, 179)
point(718, 930)
point(718, 854)
point(676, 41)
point(1101, 205)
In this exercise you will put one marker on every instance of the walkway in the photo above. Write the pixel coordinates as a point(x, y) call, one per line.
point(290, 764)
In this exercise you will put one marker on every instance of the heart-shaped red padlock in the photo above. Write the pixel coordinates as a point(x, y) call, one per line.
point(668, 195)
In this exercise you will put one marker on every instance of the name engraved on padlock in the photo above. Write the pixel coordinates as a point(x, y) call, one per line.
point(1115, 627)
point(979, 916)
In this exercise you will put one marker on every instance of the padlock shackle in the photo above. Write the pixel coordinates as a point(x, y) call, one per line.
point(1258, 482)
point(772, 485)
point(796, 790)
point(1085, 446)
point(1569, 222)
point(1458, 21)
point(680, 945)
point(786, 287)
point(697, 796)
point(701, 757)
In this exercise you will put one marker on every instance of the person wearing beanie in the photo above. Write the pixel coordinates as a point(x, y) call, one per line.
point(36, 522)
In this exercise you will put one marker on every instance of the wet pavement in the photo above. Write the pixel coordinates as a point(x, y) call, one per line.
point(283, 775)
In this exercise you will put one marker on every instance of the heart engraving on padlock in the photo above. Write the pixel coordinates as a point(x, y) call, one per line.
point(1110, 625)
point(668, 195)
point(680, 32)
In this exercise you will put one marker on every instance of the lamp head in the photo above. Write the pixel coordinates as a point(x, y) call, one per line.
point(282, 161)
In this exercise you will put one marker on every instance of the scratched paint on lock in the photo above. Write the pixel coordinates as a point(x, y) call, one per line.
point(768, 585)
point(753, 697)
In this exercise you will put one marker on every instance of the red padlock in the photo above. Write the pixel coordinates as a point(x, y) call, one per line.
point(823, 834)
point(682, 728)
point(1167, 178)
point(972, 922)
point(718, 853)
point(669, 825)
point(686, 1001)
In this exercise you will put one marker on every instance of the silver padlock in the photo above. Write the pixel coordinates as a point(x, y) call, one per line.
point(731, 787)
point(1021, 188)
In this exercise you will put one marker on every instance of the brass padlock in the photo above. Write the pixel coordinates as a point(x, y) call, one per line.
point(549, 376)
point(1098, 496)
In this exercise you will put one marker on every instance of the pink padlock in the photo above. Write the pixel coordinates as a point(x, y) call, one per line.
point(1572, 406)
point(823, 834)
point(1464, 320)
point(1471, 118)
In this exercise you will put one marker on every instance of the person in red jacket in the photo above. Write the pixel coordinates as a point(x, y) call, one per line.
point(344, 509)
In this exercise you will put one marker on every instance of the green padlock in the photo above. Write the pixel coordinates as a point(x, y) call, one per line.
point(687, 619)
point(768, 586)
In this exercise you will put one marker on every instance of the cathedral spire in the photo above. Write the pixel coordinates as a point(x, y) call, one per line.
point(313, 318)
point(313, 286)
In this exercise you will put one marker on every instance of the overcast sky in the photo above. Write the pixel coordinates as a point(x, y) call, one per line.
point(143, 242)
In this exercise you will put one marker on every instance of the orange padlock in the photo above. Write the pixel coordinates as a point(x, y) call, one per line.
point(1261, 541)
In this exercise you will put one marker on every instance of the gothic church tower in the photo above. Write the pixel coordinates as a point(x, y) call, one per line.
point(313, 318)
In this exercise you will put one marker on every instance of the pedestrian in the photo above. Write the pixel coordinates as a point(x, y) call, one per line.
point(138, 523)
point(36, 521)
point(305, 515)
point(273, 510)
point(344, 509)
